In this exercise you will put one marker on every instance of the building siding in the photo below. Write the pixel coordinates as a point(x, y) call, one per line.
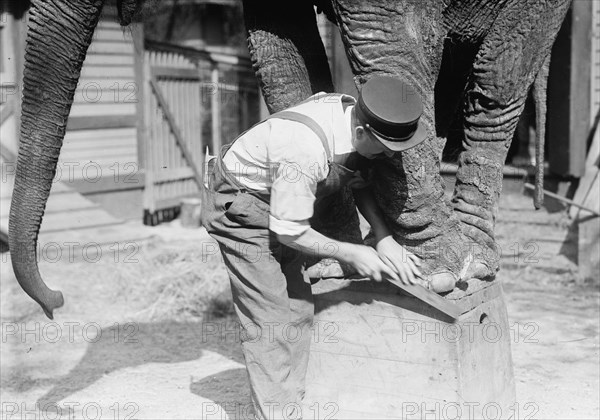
point(102, 137)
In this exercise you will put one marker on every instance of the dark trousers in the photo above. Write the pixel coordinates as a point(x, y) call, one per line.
point(271, 294)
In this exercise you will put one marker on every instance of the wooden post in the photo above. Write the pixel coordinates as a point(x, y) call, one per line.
point(586, 224)
point(145, 132)
point(244, 104)
point(216, 109)
point(588, 227)
point(569, 92)
point(137, 33)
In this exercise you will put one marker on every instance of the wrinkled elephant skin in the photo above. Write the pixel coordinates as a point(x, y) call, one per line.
point(498, 48)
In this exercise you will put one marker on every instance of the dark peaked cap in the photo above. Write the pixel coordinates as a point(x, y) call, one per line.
point(391, 109)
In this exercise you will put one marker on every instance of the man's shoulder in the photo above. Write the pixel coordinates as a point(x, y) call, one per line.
point(325, 99)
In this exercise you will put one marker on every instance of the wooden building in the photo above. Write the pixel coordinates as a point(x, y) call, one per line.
point(143, 114)
point(152, 98)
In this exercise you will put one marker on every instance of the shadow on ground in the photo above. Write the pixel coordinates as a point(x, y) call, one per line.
point(230, 392)
point(133, 344)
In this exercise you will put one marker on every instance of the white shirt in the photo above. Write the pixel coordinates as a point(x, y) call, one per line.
point(287, 159)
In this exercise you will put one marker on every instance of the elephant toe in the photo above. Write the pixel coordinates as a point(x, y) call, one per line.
point(327, 269)
point(479, 270)
point(442, 282)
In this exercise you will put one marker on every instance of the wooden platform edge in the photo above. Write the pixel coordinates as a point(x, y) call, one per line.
point(430, 298)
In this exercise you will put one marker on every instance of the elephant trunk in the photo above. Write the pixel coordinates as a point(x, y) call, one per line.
point(540, 87)
point(59, 34)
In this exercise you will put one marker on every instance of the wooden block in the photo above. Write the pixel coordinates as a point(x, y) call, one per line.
point(190, 212)
point(379, 353)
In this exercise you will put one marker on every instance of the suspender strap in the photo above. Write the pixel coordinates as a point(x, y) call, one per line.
point(307, 121)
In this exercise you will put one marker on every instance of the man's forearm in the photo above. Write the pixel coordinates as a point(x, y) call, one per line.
point(316, 244)
point(368, 207)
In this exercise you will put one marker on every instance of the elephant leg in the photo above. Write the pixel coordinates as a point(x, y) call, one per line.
point(289, 59)
point(505, 67)
point(405, 40)
point(286, 50)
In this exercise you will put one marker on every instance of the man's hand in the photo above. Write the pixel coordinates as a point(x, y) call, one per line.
point(392, 253)
point(397, 258)
point(367, 263)
point(363, 258)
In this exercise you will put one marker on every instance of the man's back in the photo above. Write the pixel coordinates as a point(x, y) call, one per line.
point(257, 155)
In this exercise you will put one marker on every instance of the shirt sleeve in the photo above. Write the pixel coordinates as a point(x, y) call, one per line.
point(300, 164)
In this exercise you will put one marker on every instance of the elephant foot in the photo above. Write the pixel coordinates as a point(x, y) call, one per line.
point(329, 268)
point(443, 280)
point(486, 255)
point(480, 270)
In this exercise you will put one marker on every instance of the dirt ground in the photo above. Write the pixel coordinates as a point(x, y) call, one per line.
point(114, 351)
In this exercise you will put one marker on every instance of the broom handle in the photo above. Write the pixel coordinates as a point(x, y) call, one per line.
point(563, 199)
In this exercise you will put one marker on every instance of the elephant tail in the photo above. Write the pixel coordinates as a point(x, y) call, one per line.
point(540, 87)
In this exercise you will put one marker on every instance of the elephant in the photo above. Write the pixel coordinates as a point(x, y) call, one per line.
point(473, 58)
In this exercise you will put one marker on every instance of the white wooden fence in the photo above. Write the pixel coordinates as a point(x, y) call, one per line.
point(192, 99)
